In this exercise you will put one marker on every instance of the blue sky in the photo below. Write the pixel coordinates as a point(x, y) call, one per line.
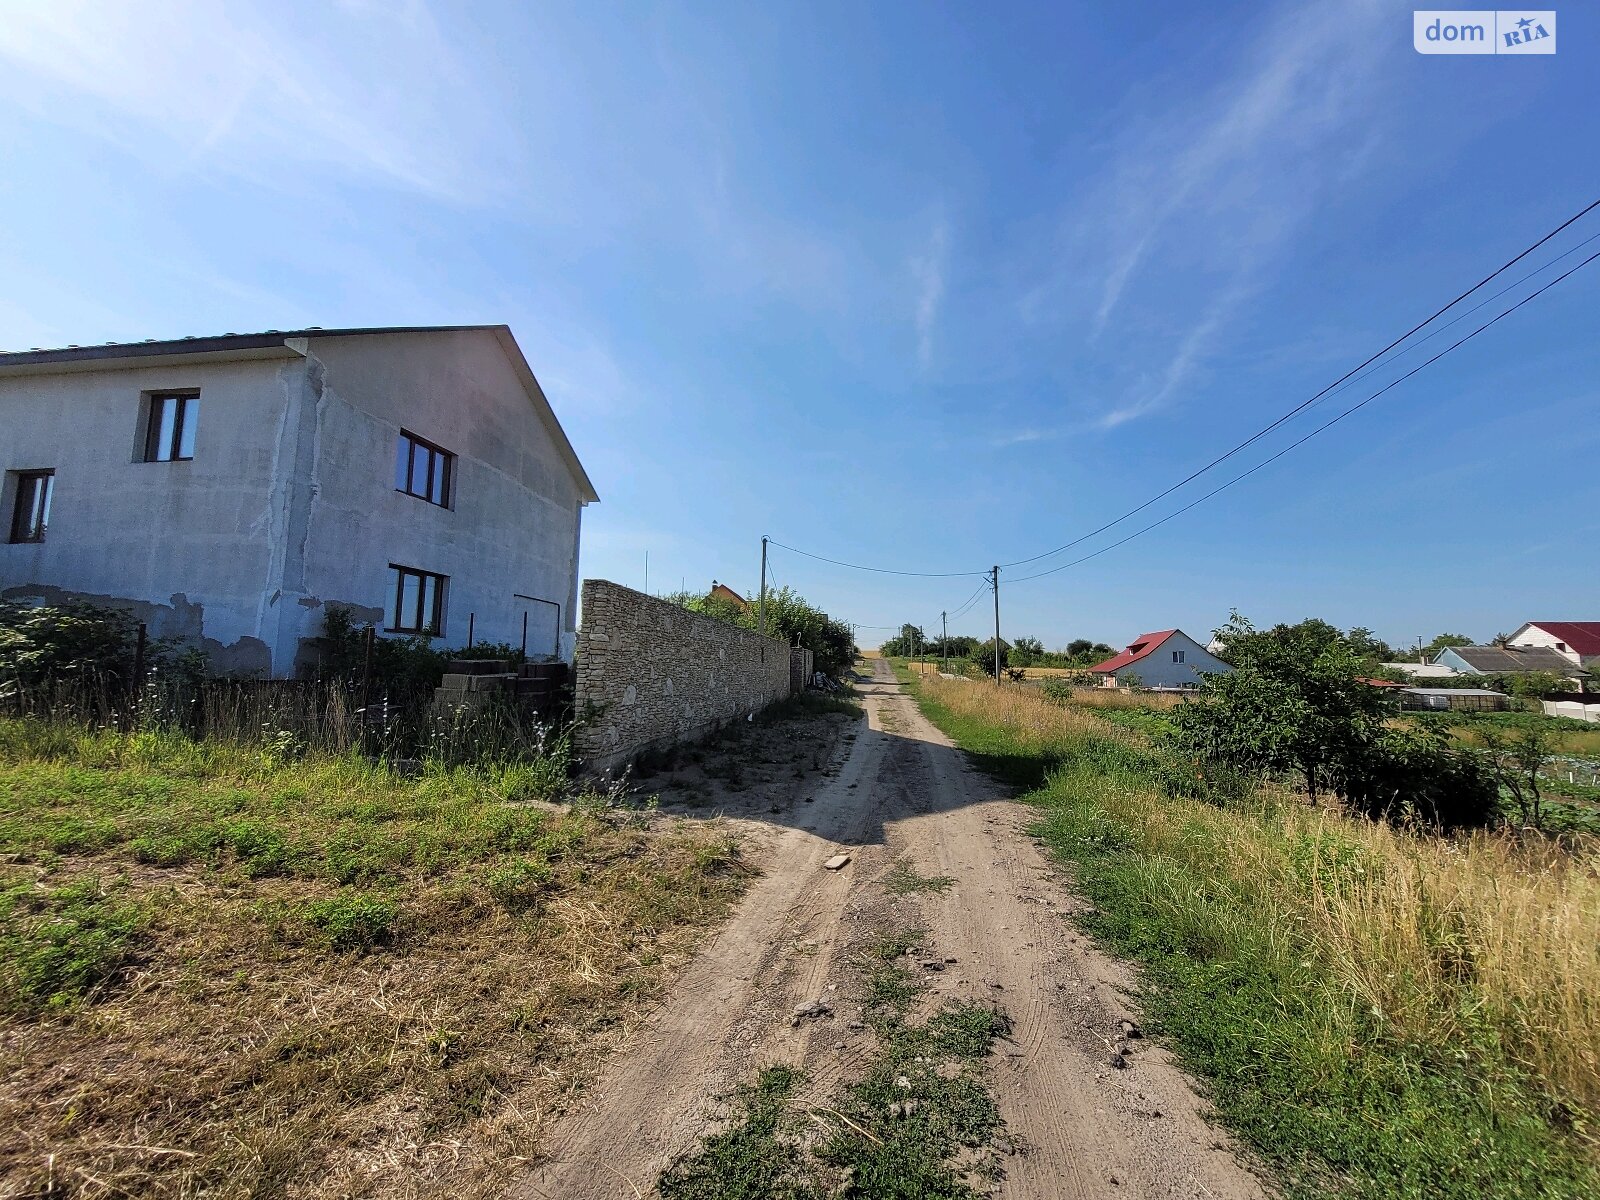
point(927, 287)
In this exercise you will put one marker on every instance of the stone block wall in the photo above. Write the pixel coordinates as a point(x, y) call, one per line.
point(661, 675)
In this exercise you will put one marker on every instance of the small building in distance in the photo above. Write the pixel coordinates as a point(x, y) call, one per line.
point(1431, 670)
point(1453, 699)
point(1168, 658)
point(721, 591)
point(1510, 660)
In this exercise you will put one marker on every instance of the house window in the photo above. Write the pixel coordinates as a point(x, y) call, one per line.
point(1177, 656)
point(423, 470)
point(416, 601)
point(31, 516)
point(169, 435)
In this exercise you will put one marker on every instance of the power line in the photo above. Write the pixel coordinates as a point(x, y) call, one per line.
point(1301, 407)
point(1320, 428)
point(876, 570)
point(1354, 375)
point(970, 601)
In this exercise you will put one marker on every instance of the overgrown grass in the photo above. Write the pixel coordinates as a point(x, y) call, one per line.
point(811, 704)
point(296, 972)
point(1379, 1014)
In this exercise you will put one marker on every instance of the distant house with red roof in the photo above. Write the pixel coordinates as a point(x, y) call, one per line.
point(1576, 641)
point(1169, 658)
point(721, 591)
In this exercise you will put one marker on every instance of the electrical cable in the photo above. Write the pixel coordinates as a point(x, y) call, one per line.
point(1319, 429)
point(1301, 407)
point(877, 570)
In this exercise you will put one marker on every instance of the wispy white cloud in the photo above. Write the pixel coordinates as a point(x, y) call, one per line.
point(1200, 204)
point(192, 85)
point(928, 273)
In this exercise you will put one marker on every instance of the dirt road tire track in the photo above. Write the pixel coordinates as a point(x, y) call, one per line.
point(902, 793)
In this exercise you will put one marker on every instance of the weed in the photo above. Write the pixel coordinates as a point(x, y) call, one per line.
point(757, 1158)
point(517, 884)
point(57, 945)
point(353, 921)
point(902, 881)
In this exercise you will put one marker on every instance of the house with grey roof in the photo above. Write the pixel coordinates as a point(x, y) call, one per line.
point(227, 490)
point(1509, 660)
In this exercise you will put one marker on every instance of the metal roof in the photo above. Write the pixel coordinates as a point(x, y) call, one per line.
point(1496, 660)
point(205, 344)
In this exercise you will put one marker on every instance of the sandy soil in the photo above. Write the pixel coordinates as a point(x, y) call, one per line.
point(898, 792)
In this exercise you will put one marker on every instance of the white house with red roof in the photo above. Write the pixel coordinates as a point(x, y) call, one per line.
point(1576, 641)
point(1169, 658)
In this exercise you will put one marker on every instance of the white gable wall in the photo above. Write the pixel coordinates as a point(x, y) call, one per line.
point(1532, 635)
point(1157, 669)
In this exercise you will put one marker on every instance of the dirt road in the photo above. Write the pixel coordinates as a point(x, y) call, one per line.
point(899, 793)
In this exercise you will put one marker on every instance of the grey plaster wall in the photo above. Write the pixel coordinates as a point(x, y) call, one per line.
point(289, 503)
point(512, 528)
point(660, 675)
point(189, 547)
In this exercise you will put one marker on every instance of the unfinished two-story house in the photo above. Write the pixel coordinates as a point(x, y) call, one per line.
point(226, 490)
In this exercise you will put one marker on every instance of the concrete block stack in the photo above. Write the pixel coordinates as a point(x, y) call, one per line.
point(471, 682)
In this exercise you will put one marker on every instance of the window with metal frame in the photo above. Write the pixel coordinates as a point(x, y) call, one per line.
point(31, 515)
point(169, 433)
point(423, 470)
point(416, 601)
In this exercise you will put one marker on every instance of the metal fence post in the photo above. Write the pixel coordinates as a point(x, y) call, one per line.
point(138, 674)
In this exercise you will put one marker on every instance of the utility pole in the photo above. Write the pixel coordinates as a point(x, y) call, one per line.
point(994, 576)
point(944, 640)
point(761, 617)
point(647, 572)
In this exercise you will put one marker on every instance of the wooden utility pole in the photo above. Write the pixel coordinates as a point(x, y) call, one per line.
point(994, 576)
point(761, 609)
point(944, 640)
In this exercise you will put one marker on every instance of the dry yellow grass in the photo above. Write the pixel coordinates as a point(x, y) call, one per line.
point(237, 1054)
point(1453, 942)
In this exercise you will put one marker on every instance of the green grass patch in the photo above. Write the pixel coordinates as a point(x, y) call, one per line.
point(353, 920)
point(903, 881)
point(917, 1124)
point(759, 1157)
point(59, 944)
point(1315, 1082)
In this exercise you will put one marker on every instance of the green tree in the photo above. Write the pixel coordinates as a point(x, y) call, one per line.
point(1369, 646)
point(1026, 651)
point(1444, 641)
point(1516, 763)
point(1296, 703)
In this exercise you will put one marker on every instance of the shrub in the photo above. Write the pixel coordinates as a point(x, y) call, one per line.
point(62, 642)
point(353, 920)
point(1411, 776)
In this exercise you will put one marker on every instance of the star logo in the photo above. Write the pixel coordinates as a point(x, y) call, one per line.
point(1524, 23)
